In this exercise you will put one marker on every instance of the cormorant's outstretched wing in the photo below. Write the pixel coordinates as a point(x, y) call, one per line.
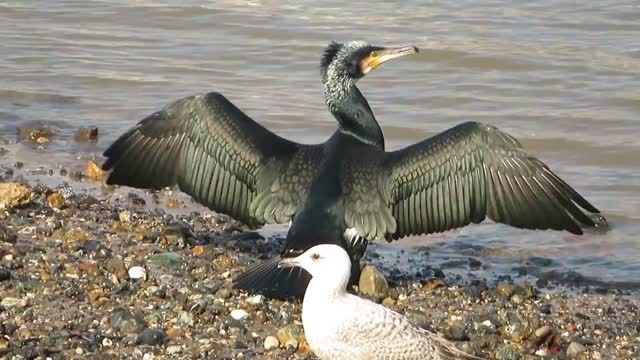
point(214, 152)
point(473, 171)
point(463, 175)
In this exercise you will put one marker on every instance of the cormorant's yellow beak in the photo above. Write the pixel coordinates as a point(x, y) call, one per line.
point(377, 57)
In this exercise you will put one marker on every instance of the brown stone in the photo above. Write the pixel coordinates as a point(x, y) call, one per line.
point(34, 133)
point(198, 250)
point(433, 284)
point(56, 200)
point(373, 283)
point(94, 171)
point(14, 195)
point(223, 261)
point(75, 235)
point(86, 134)
point(174, 203)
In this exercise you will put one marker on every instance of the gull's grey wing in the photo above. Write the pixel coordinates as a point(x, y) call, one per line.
point(377, 332)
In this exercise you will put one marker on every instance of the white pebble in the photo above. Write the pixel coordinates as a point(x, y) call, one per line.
point(137, 272)
point(542, 352)
point(106, 342)
point(271, 342)
point(174, 349)
point(124, 217)
point(239, 314)
point(255, 300)
point(147, 356)
point(12, 302)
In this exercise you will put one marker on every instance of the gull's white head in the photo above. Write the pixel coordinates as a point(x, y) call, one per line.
point(327, 263)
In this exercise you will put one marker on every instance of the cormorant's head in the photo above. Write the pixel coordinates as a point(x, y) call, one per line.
point(352, 60)
point(343, 64)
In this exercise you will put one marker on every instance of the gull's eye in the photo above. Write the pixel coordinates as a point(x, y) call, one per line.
point(374, 54)
point(315, 256)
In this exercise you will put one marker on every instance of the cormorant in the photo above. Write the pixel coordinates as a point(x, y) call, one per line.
point(217, 154)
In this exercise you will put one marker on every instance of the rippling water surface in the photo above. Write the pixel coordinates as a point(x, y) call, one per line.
point(563, 77)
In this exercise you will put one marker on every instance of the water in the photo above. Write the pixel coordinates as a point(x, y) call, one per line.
point(560, 76)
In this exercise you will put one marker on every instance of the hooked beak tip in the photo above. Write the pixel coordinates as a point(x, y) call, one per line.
point(289, 262)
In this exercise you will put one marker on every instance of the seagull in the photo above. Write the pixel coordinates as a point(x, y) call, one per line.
point(339, 325)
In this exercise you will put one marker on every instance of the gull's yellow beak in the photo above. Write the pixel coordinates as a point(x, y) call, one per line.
point(378, 57)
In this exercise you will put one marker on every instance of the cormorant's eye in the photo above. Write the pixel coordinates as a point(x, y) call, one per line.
point(315, 256)
point(373, 54)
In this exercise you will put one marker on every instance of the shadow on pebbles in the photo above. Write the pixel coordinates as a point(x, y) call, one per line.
point(118, 276)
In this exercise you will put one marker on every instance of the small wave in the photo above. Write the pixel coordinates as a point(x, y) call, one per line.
point(28, 96)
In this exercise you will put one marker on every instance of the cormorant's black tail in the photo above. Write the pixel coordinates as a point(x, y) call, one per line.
point(270, 280)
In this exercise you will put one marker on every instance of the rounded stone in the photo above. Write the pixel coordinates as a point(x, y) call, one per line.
point(271, 342)
point(137, 272)
point(239, 314)
point(373, 283)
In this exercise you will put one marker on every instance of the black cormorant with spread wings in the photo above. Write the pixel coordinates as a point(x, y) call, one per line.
point(213, 151)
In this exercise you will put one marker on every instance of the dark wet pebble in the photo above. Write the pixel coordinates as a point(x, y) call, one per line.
point(198, 306)
point(136, 199)
point(8, 328)
point(476, 288)
point(95, 249)
point(7, 235)
point(525, 291)
point(509, 352)
point(223, 293)
point(151, 336)
point(474, 263)
point(123, 322)
point(217, 309)
point(5, 274)
point(18, 165)
point(178, 233)
point(86, 134)
point(76, 175)
point(85, 201)
point(540, 261)
point(73, 292)
point(40, 172)
point(455, 330)
point(582, 316)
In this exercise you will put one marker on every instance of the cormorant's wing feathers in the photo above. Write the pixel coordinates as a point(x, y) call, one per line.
point(473, 171)
point(214, 152)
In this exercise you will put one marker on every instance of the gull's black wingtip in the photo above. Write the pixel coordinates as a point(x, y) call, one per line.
point(268, 279)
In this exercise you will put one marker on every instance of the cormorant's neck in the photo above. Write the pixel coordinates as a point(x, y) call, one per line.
point(353, 113)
